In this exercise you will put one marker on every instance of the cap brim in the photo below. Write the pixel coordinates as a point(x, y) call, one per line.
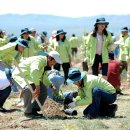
point(58, 60)
point(124, 30)
point(76, 79)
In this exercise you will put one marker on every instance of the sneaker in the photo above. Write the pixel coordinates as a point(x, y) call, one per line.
point(37, 114)
point(2, 109)
point(113, 109)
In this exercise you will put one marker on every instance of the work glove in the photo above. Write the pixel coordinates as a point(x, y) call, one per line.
point(72, 104)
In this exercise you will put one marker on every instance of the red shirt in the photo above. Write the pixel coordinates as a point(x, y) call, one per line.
point(113, 73)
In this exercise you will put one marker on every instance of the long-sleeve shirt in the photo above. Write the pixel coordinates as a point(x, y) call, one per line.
point(85, 93)
point(33, 71)
point(8, 53)
point(91, 45)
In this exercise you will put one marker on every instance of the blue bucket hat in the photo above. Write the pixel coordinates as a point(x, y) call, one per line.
point(23, 43)
point(44, 33)
point(75, 75)
point(124, 29)
point(101, 20)
point(25, 30)
point(60, 32)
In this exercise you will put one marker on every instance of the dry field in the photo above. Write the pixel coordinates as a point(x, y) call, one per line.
point(16, 121)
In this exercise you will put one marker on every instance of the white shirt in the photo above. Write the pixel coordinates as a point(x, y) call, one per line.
point(4, 82)
point(99, 44)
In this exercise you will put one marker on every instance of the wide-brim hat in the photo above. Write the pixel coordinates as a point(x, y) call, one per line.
point(124, 29)
point(23, 43)
point(44, 33)
point(75, 75)
point(56, 56)
point(60, 32)
point(101, 20)
point(26, 30)
point(32, 30)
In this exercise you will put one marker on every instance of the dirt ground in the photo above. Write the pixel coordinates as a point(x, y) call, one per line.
point(55, 118)
point(16, 120)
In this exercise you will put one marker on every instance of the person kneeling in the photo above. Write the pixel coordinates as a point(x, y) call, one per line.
point(95, 92)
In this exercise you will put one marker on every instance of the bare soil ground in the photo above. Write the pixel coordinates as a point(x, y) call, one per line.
point(57, 120)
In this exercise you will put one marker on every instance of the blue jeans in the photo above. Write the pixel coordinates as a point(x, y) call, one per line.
point(57, 80)
point(4, 95)
point(101, 99)
point(8, 72)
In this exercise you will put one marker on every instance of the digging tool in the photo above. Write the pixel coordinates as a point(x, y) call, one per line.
point(30, 87)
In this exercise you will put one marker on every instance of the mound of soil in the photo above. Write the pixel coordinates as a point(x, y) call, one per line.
point(52, 109)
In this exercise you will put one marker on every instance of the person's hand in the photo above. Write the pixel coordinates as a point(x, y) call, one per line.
point(53, 88)
point(44, 47)
point(72, 104)
point(36, 91)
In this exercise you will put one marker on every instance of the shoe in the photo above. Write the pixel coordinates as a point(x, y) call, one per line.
point(33, 115)
point(2, 109)
point(37, 114)
point(113, 109)
point(119, 92)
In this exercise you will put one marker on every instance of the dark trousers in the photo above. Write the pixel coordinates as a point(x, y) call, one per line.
point(4, 95)
point(100, 101)
point(73, 51)
point(95, 66)
point(65, 67)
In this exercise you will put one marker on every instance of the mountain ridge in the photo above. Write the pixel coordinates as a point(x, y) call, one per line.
point(15, 22)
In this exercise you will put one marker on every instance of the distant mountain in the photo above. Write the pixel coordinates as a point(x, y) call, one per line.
point(14, 23)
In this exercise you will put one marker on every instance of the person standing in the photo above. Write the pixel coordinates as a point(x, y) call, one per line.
point(34, 46)
point(42, 39)
point(62, 45)
point(73, 44)
point(97, 47)
point(122, 54)
point(127, 49)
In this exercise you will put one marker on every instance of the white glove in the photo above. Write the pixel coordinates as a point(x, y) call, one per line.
point(72, 104)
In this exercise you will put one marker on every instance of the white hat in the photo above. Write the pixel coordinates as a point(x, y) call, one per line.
point(32, 30)
point(56, 56)
point(54, 32)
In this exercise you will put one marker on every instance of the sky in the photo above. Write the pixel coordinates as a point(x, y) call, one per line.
point(69, 8)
